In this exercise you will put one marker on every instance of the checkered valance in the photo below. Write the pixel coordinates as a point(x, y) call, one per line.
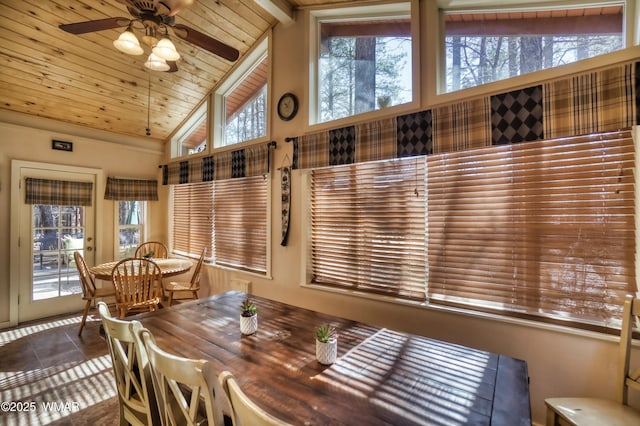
point(58, 192)
point(596, 101)
point(131, 189)
point(249, 161)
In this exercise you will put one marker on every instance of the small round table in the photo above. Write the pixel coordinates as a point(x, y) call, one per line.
point(168, 267)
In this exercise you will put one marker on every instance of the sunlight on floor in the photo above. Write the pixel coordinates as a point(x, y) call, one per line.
point(70, 387)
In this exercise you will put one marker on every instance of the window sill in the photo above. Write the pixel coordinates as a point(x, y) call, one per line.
point(470, 314)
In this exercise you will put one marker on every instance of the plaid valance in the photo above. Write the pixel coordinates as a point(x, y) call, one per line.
point(58, 192)
point(131, 189)
point(246, 162)
point(581, 104)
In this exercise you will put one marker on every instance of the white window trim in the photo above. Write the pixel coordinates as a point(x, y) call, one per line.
point(234, 78)
point(410, 7)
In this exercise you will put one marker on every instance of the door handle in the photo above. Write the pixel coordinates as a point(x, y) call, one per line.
point(89, 248)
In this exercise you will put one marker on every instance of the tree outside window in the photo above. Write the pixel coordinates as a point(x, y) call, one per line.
point(485, 47)
point(364, 60)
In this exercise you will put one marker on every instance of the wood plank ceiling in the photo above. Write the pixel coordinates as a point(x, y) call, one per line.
point(83, 79)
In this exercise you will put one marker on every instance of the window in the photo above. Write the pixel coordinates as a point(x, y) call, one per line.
point(486, 46)
point(368, 227)
point(192, 136)
point(131, 221)
point(542, 230)
point(229, 217)
point(246, 107)
point(240, 223)
point(192, 218)
point(241, 101)
point(364, 60)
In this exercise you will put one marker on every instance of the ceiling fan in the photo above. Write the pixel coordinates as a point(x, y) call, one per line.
point(156, 17)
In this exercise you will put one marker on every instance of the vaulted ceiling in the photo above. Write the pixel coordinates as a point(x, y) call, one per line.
point(83, 79)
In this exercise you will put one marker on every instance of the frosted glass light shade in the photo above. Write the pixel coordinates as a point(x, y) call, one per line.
point(128, 43)
point(155, 63)
point(166, 50)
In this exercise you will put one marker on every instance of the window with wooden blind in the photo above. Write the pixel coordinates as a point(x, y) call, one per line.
point(542, 230)
point(192, 218)
point(240, 223)
point(229, 217)
point(368, 227)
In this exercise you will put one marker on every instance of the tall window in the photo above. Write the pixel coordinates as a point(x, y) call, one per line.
point(246, 107)
point(543, 230)
point(364, 60)
point(368, 227)
point(192, 218)
point(228, 217)
point(241, 101)
point(131, 222)
point(481, 47)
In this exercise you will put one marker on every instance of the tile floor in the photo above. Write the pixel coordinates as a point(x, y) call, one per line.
point(56, 377)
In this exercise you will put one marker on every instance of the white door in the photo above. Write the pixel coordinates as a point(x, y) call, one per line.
point(49, 283)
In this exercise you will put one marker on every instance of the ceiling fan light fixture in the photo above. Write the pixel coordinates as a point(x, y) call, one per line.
point(149, 38)
point(155, 63)
point(166, 50)
point(128, 43)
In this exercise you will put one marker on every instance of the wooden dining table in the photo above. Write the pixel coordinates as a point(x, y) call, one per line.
point(169, 267)
point(381, 377)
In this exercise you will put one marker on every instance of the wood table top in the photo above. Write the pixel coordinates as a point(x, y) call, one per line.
point(169, 267)
point(381, 376)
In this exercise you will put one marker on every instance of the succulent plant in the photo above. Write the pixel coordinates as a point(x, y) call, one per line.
point(249, 309)
point(325, 333)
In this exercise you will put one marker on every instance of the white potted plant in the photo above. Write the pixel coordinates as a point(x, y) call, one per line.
point(248, 317)
point(326, 344)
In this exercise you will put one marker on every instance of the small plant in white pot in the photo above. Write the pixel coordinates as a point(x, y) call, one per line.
point(248, 317)
point(326, 344)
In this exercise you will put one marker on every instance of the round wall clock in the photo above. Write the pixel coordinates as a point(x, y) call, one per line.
point(287, 106)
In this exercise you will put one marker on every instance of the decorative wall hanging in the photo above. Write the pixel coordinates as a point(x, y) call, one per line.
point(285, 184)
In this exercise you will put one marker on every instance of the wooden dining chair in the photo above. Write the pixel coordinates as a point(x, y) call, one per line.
point(151, 249)
point(191, 287)
point(245, 411)
point(596, 411)
point(136, 397)
point(90, 292)
point(187, 390)
point(138, 286)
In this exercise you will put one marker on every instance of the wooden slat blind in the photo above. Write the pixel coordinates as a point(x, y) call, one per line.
point(240, 216)
point(540, 228)
point(368, 227)
point(192, 218)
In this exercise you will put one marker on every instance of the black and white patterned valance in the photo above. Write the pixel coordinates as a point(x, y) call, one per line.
point(580, 104)
point(246, 162)
point(58, 192)
point(131, 189)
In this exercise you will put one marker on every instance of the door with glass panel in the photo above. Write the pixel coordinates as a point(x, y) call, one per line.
point(57, 219)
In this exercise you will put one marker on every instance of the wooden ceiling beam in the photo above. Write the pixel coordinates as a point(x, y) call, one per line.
point(279, 9)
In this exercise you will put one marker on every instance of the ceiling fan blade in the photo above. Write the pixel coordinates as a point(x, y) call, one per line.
point(97, 25)
point(207, 43)
point(173, 66)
